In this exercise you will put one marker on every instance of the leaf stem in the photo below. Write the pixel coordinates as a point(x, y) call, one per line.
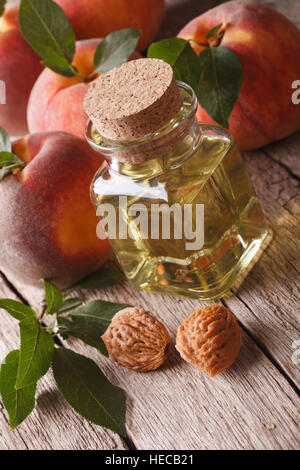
point(201, 44)
point(76, 74)
point(217, 39)
point(13, 166)
point(43, 314)
point(90, 77)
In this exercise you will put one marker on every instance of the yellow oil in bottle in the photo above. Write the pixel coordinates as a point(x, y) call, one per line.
point(205, 168)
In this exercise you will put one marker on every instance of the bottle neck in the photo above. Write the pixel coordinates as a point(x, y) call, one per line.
point(171, 142)
point(165, 158)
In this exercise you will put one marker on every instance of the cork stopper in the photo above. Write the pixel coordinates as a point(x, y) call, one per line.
point(134, 100)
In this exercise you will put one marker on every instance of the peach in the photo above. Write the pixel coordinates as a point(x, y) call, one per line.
point(97, 18)
point(56, 102)
point(267, 45)
point(19, 68)
point(47, 221)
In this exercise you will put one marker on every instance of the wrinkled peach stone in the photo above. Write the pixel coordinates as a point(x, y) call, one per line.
point(210, 338)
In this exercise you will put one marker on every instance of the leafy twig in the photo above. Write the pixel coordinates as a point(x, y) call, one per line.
point(55, 41)
point(78, 378)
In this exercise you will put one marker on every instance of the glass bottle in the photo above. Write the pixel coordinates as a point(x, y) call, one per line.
point(192, 165)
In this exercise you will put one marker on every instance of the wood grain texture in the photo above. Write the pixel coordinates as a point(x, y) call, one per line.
point(179, 407)
point(251, 406)
point(53, 424)
point(267, 303)
point(286, 153)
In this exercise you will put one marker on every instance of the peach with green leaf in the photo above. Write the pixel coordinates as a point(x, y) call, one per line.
point(56, 100)
point(267, 45)
point(215, 75)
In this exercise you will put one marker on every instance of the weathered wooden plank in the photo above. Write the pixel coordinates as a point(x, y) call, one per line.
point(9, 440)
point(265, 304)
point(251, 406)
point(53, 424)
point(267, 301)
point(275, 186)
point(286, 153)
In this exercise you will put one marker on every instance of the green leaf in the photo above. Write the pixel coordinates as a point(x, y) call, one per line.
point(18, 403)
point(90, 322)
point(98, 311)
point(47, 29)
point(70, 304)
point(2, 6)
point(212, 33)
point(88, 391)
point(115, 49)
point(5, 143)
point(16, 309)
point(36, 352)
point(103, 277)
point(64, 71)
point(54, 298)
point(80, 330)
point(8, 158)
point(220, 82)
point(8, 163)
point(179, 54)
point(168, 50)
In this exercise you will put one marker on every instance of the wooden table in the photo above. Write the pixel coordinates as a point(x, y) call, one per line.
point(254, 405)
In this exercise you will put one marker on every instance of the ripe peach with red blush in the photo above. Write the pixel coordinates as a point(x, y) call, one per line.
point(56, 102)
point(19, 68)
point(268, 46)
point(98, 18)
point(47, 221)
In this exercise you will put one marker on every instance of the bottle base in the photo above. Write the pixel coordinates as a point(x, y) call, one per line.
point(231, 281)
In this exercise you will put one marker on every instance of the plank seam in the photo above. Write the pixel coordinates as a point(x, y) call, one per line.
point(13, 289)
point(263, 348)
point(280, 163)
